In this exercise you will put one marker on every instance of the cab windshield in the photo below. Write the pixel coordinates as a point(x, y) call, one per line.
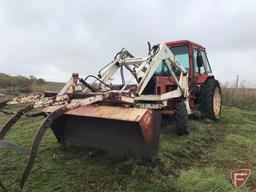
point(182, 56)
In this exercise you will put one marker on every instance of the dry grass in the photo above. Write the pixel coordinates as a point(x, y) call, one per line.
point(239, 97)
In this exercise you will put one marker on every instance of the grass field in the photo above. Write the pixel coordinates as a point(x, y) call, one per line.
point(198, 162)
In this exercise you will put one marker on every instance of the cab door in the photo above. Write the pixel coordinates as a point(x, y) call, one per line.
point(201, 67)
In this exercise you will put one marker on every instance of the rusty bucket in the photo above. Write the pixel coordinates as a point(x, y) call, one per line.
point(115, 129)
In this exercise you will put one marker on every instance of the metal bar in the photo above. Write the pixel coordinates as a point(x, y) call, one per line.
point(134, 61)
point(177, 64)
point(105, 69)
point(35, 114)
point(14, 119)
point(46, 125)
point(140, 68)
point(127, 83)
point(109, 71)
point(168, 64)
point(26, 99)
point(132, 71)
point(155, 60)
point(26, 114)
point(6, 112)
point(66, 87)
point(37, 140)
point(93, 89)
point(163, 97)
point(7, 145)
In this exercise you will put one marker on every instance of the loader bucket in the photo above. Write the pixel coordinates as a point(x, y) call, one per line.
point(118, 130)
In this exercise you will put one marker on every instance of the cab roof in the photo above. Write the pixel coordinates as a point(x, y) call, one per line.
point(182, 42)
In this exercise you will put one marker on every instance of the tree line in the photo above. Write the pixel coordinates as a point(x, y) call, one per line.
point(18, 83)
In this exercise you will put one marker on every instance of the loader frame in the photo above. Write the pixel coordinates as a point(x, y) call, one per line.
point(147, 65)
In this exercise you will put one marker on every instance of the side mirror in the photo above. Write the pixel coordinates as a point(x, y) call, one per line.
point(199, 59)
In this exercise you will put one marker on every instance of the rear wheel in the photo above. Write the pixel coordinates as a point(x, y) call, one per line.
point(181, 118)
point(210, 99)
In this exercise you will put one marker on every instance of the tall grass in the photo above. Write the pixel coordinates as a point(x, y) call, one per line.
point(239, 97)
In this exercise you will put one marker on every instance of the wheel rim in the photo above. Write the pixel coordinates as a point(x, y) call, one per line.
point(217, 102)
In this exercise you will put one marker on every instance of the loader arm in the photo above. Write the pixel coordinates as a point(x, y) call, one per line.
point(146, 65)
point(162, 54)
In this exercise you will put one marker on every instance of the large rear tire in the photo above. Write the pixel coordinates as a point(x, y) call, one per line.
point(181, 118)
point(210, 99)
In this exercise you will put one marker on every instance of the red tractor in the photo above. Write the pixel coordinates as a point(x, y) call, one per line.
point(174, 79)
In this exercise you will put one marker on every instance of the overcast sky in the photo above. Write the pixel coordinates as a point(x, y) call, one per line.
point(51, 39)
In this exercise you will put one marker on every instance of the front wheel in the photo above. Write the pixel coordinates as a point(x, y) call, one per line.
point(181, 118)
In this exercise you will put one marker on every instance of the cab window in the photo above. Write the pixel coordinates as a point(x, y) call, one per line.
point(162, 70)
point(181, 54)
point(196, 69)
point(206, 62)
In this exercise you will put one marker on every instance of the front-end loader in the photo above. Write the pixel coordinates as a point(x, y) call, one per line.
point(174, 79)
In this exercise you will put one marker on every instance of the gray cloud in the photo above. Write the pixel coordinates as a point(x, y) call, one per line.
point(52, 39)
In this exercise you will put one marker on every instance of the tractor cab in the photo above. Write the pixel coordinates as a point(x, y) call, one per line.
point(194, 59)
